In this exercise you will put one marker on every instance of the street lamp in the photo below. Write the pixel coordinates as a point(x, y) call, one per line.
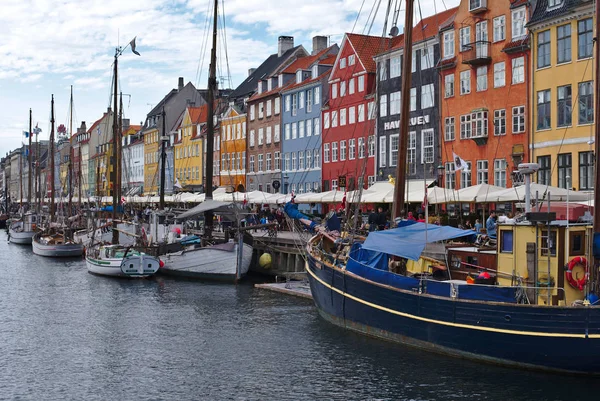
point(286, 184)
point(440, 171)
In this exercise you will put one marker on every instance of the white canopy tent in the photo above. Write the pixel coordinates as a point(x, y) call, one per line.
point(517, 194)
point(477, 193)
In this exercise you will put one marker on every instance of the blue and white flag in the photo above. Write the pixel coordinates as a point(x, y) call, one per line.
point(26, 134)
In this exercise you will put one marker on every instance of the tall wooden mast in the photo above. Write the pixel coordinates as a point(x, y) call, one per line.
point(29, 167)
point(70, 165)
point(51, 156)
point(115, 158)
point(594, 272)
point(399, 190)
point(210, 126)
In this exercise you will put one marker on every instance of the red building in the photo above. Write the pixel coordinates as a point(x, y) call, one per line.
point(348, 118)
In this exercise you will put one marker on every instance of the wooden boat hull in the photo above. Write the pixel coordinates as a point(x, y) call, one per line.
point(565, 339)
point(132, 266)
point(208, 263)
point(20, 237)
point(57, 250)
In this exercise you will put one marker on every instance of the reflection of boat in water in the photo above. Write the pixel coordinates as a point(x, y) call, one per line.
point(56, 244)
point(23, 230)
point(120, 261)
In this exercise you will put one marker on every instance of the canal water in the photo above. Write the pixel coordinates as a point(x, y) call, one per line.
point(68, 335)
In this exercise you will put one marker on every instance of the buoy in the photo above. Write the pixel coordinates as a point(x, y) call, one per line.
point(265, 261)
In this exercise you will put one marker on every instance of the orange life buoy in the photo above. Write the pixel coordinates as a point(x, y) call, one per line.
point(578, 260)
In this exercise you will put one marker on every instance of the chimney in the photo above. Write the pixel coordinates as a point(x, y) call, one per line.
point(251, 71)
point(180, 85)
point(285, 44)
point(319, 43)
point(125, 123)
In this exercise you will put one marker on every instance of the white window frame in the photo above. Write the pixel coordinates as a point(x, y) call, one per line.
point(499, 28)
point(448, 39)
point(449, 129)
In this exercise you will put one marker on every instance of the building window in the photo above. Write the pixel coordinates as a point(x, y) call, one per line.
point(449, 129)
point(352, 149)
point(465, 82)
point(352, 115)
point(252, 112)
point(334, 119)
point(499, 74)
point(342, 88)
point(395, 67)
point(586, 171)
point(394, 103)
point(394, 150)
point(543, 49)
point(361, 83)
point(412, 153)
point(361, 113)
point(268, 108)
point(334, 185)
point(309, 100)
point(563, 41)
point(326, 153)
point(260, 162)
point(544, 173)
point(261, 136)
point(585, 38)
point(499, 28)
point(251, 138)
point(361, 148)
point(518, 70)
point(465, 126)
point(499, 122)
point(294, 104)
point(465, 38)
point(427, 97)
point(371, 110)
point(371, 145)
point(382, 70)
point(482, 172)
point(586, 103)
point(427, 144)
point(481, 79)
point(383, 106)
point(382, 151)
point(309, 154)
point(334, 90)
point(554, 3)
point(427, 58)
point(334, 151)
point(518, 119)
point(564, 170)
point(286, 164)
point(480, 123)
point(543, 109)
point(317, 95)
point(413, 99)
point(519, 19)
point(500, 172)
point(351, 59)
point(342, 151)
point(277, 160)
point(317, 126)
point(301, 160)
point(351, 86)
point(449, 85)
point(565, 106)
point(294, 166)
point(342, 116)
point(465, 176)
point(276, 134)
point(343, 63)
point(250, 167)
point(269, 162)
point(448, 44)
point(450, 176)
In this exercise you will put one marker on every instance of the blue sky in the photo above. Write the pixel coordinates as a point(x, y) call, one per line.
point(48, 45)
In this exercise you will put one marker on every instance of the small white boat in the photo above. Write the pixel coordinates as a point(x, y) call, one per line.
point(120, 261)
point(216, 262)
point(22, 231)
point(55, 245)
point(103, 234)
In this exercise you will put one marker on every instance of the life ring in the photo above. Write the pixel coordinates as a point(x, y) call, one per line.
point(578, 284)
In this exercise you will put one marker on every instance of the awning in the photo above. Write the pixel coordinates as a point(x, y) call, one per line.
point(206, 206)
point(409, 240)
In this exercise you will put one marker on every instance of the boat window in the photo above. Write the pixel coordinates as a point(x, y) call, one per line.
point(548, 244)
point(506, 241)
point(577, 243)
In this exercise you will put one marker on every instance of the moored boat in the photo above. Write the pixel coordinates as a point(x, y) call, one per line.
point(120, 261)
point(23, 230)
point(56, 244)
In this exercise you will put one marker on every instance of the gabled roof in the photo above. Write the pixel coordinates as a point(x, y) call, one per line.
point(426, 28)
point(305, 83)
point(542, 13)
point(95, 125)
point(198, 114)
point(264, 70)
point(366, 47)
point(304, 63)
point(258, 96)
point(328, 61)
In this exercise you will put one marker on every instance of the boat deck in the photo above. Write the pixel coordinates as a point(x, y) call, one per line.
point(295, 288)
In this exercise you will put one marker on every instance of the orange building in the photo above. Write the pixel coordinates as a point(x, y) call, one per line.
point(484, 72)
point(232, 144)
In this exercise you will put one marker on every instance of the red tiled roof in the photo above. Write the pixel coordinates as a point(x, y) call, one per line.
point(366, 47)
point(310, 81)
point(258, 96)
point(95, 124)
point(198, 114)
point(426, 28)
point(515, 44)
point(517, 3)
point(328, 61)
point(302, 63)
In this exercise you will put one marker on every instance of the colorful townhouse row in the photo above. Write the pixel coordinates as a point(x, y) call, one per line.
point(496, 82)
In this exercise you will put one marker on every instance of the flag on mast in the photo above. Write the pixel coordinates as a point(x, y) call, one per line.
point(132, 44)
point(460, 164)
point(177, 184)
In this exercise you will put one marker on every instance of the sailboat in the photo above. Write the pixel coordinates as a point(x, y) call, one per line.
point(115, 259)
point(22, 230)
point(365, 285)
point(228, 261)
point(57, 241)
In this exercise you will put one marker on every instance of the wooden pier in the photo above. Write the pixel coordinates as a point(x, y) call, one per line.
point(286, 249)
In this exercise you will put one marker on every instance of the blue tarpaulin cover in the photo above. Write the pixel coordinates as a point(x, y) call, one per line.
point(409, 239)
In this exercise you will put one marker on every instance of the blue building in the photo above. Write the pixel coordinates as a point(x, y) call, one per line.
point(301, 121)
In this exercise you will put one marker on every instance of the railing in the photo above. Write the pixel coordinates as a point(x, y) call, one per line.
point(476, 53)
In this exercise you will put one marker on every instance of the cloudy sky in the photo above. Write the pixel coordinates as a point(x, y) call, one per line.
point(48, 45)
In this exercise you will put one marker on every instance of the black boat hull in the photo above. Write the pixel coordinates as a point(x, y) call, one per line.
point(563, 339)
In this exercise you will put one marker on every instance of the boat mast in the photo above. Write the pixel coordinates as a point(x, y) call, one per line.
point(115, 158)
point(37, 171)
point(29, 166)
point(163, 158)
point(212, 88)
point(399, 189)
point(70, 165)
point(120, 147)
point(51, 156)
point(79, 177)
point(21, 178)
point(594, 272)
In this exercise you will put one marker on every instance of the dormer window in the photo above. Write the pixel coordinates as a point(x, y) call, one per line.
point(298, 76)
point(315, 71)
point(554, 3)
point(269, 85)
point(259, 87)
point(280, 79)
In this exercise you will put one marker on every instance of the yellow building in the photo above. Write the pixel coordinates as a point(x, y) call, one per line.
point(232, 145)
point(562, 109)
point(188, 150)
point(151, 158)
